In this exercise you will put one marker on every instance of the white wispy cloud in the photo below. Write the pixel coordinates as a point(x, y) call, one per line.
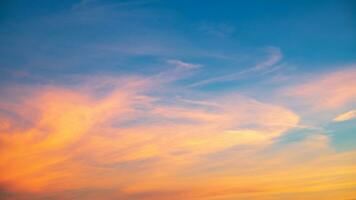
point(181, 64)
point(275, 55)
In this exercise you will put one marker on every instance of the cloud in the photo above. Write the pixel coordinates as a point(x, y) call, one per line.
point(183, 65)
point(275, 56)
point(119, 135)
point(71, 125)
point(345, 116)
point(326, 91)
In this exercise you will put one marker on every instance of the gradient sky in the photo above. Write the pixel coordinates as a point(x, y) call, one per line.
point(186, 100)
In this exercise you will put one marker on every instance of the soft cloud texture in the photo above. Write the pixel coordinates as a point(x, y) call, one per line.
point(115, 131)
point(274, 56)
point(181, 64)
point(327, 91)
point(178, 100)
point(345, 116)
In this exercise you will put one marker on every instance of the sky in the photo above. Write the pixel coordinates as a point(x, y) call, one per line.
point(193, 100)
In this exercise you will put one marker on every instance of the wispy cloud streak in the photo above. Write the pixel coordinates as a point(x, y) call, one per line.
point(345, 116)
point(275, 56)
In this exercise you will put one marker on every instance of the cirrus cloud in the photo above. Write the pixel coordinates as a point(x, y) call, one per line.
point(133, 143)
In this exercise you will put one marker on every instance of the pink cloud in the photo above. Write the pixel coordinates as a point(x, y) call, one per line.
point(327, 91)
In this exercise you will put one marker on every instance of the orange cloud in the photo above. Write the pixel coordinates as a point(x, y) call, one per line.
point(345, 116)
point(114, 136)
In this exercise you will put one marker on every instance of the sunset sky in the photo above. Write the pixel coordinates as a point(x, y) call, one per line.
point(177, 100)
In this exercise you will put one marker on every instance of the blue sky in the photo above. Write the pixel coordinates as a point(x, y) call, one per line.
point(239, 80)
point(313, 35)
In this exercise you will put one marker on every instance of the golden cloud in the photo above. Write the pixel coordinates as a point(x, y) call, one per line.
point(118, 135)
